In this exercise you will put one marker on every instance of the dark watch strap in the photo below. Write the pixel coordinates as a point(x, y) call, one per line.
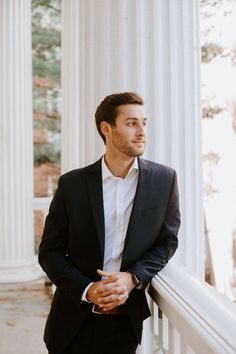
point(136, 281)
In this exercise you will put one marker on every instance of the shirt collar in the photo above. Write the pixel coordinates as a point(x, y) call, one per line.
point(106, 173)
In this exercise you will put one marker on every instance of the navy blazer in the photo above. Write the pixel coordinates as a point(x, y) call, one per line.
point(72, 245)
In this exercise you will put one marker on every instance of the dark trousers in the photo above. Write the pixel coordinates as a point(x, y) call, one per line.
point(103, 334)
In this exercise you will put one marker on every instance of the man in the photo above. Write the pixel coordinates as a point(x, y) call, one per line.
point(111, 227)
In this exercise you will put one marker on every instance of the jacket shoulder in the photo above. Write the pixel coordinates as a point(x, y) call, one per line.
point(80, 172)
point(159, 168)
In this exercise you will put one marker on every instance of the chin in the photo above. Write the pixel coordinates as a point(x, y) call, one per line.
point(140, 152)
point(137, 153)
point(132, 152)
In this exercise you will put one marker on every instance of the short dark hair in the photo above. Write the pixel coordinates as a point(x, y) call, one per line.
point(107, 110)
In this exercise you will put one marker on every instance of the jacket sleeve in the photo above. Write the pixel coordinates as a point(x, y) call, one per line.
point(166, 242)
point(53, 251)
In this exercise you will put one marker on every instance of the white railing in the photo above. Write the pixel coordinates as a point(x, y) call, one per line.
point(189, 316)
point(42, 204)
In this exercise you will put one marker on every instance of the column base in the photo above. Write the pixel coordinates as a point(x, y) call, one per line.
point(20, 271)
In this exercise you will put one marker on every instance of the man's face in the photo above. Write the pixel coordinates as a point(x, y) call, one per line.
point(128, 134)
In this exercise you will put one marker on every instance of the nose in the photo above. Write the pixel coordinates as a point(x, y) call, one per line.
point(141, 131)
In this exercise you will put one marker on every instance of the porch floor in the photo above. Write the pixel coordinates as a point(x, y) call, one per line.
point(24, 309)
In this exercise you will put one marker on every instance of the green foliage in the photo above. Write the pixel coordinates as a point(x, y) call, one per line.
point(52, 125)
point(45, 38)
point(46, 48)
point(45, 97)
point(46, 3)
point(46, 153)
point(44, 68)
point(46, 43)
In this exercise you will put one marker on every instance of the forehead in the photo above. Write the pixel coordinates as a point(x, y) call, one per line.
point(130, 111)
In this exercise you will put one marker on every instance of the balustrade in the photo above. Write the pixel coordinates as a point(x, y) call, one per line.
point(189, 316)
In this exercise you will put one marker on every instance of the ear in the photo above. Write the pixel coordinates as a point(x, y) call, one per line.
point(105, 128)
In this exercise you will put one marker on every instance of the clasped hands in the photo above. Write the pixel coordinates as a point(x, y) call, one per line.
point(111, 291)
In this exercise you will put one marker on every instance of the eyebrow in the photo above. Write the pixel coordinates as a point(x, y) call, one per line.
point(145, 118)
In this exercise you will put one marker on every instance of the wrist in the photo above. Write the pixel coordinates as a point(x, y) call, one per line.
point(135, 280)
point(89, 293)
point(85, 292)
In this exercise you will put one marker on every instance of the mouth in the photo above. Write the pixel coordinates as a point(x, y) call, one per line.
point(139, 142)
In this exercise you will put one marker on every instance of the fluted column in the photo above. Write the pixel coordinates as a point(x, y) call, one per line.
point(151, 47)
point(176, 130)
point(17, 259)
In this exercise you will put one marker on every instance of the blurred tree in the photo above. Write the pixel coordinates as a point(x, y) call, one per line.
point(210, 51)
point(218, 77)
point(216, 51)
point(46, 52)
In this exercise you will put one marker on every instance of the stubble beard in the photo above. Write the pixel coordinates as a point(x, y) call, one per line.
point(132, 152)
point(128, 150)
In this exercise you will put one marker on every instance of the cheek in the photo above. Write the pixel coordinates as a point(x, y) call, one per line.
point(123, 135)
point(127, 137)
point(128, 132)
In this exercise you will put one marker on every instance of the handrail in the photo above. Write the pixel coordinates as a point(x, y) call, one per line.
point(41, 202)
point(205, 319)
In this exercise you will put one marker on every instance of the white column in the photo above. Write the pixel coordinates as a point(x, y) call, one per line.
point(17, 259)
point(151, 47)
point(176, 131)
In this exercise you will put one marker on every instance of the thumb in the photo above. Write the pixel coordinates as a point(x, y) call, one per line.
point(104, 274)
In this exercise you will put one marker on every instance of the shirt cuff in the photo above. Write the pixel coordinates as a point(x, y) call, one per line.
point(84, 295)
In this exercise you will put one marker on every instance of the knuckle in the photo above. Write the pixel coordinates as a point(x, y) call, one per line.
point(111, 298)
point(108, 289)
point(124, 289)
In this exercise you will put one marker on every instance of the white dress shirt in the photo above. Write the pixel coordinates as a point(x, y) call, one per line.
point(118, 198)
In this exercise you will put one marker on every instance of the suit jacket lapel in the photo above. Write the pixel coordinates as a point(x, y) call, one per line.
point(96, 198)
point(139, 202)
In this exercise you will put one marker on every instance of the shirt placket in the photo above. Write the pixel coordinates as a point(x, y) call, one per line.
point(119, 224)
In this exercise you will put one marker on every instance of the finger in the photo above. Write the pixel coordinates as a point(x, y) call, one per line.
point(108, 278)
point(109, 299)
point(117, 290)
point(104, 286)
point(113, 297)
point(104, 274)
point(100, 289)
point(112, 280)
point(118, 301)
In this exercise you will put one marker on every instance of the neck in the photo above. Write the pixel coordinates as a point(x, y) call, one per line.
point(119, 166)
